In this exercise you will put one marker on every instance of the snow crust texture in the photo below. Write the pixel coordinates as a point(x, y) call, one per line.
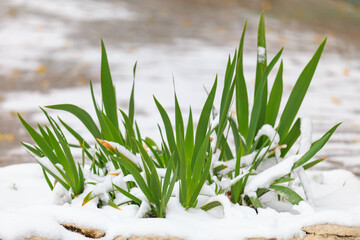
point(27, 209)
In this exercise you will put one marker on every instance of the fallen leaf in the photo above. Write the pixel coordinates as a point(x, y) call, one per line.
point(44, 83)
point(346, 72)
point(12, 114)
point(41, 69)
point(186, 22)
point(12, 11)
point(14, 74)
point(335, 100)
point(7, 137)
point(266, 5)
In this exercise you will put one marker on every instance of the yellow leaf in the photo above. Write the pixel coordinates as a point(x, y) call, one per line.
point(44, 83)
point(41, 69)
point(7, 137)
point(114, 174)
point(346, 72)
point(106, 144)
point(14, 74)
point(266, 5)
point(12, 11)
point(186, 22)
point(335, 100)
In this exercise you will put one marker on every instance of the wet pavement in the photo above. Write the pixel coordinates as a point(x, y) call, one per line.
point(50, 49)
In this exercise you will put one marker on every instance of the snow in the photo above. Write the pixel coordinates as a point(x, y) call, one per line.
point(261, 53)
point(268, 176)
point(306, 186)
point(122, 150)
point(305, 137)
point(270, 132)
point(27, 209)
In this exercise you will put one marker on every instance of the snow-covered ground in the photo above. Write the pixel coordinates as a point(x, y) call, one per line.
point(28, 208)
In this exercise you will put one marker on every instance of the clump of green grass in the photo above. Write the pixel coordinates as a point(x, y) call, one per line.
point(242, 155)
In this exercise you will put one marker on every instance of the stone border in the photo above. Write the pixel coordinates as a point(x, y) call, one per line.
point(316, 232)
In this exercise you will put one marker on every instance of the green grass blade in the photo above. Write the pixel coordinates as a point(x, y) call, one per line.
point(76, 135)
point(127, 194)
point(131, 101)
point(179, 122)
point(164, 146)
point(107, 88)
point(58, 151)
point(236, 134)
point(137, 176)
point(167, 124)
point(44, 135)
point(170, 188)
point(261, 65)
point(81, 114)
point(105, 132)
point(298, 93)
point(183, 168)
point(255, 202)
point(283, 180)
point(81, 180)
point(168, 175)
point(114, 134)
point(261, 62)
point(211, 205)
point(287, 193)
point(55, 176)
point(203, 123)
point(242, 102)
point(313, 163)
point(291, 137)
point(130, 133)
point(200, 184)
point(198, 164)
point(226, 96)
point(189, 138)
point(273, 105)
point(39, 140)
point(48, 180)
point(315, 147)
point(35, 150)
point(257, 107)
point(64, 153)
point(138, 133)
point(159, 160)
point(223, 118)
point(227, 83)
point(149, 162)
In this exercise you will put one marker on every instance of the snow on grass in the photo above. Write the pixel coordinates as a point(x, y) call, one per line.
point(27, 208)
point(261, 53)
point(270, 132)
point(268, 176)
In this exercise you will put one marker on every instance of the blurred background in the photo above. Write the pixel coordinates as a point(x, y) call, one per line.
point(50, 49)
